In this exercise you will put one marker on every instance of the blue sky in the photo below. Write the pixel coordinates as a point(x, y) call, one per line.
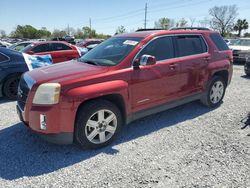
point(106, 15)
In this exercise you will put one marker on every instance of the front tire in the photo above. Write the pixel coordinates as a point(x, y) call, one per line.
point(97, 124)
point(215, 92)
point(10, 87)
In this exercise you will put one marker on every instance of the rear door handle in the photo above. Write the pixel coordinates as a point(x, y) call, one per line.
point(207, 58)
point(173, 66)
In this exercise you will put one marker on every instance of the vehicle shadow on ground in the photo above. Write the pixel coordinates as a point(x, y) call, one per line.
point(246, 77)
point(24, 154)
point(3, 100)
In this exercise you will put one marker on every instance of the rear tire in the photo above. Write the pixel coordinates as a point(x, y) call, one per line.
point(97, 124)
point(215, 92)
point(10, 87)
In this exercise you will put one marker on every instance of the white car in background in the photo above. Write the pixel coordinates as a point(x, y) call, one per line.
point(4, 44)
point(241, 50)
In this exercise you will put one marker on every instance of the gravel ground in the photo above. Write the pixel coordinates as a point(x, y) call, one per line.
point(188, 146)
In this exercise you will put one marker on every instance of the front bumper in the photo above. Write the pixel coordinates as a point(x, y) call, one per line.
point(238, 59)
point(53, 133)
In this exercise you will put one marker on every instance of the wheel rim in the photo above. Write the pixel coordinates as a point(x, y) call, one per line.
point(13, 87)
point(101, 126)
point(216, 92)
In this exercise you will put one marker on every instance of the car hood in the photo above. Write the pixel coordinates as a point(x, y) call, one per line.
point(65, 71)
point(243, 48)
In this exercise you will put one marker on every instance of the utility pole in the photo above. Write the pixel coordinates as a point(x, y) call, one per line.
point(90, 34)
point(145, 19)
point(90, 23)
point(68, 29)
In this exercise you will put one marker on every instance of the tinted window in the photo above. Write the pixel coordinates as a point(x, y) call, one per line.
point(219, 42)
point(41, 48)
point(161, 48)
point(60, 46)
point(3, 58)
point(190, 45)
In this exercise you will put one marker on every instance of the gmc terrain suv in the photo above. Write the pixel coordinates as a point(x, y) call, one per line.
point(124, 78)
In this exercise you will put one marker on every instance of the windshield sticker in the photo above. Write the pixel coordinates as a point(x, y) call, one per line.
point(130, 42)
point(36, 61)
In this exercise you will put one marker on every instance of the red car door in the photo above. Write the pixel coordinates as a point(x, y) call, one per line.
point(155, 84)
point(62, 52)
point(192, 58)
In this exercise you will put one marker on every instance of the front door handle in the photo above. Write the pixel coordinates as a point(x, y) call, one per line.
point(207, 58)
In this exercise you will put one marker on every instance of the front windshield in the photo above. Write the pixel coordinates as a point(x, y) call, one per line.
point(242, 42)
point(111, 52)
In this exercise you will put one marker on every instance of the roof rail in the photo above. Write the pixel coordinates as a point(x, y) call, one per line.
point(190, 28)
point(150, 29)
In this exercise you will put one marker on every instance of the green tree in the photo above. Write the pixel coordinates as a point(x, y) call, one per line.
point(58, 33)
point(247, 35)
point(121, 29)
point(26, 31)
point(223, 18)
point(241, 25)
point(164, 23)
point(2, 33)
point(79, 34)
point(88, 32)
point(181, 23)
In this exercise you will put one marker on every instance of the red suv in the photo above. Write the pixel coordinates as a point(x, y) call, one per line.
point(59, 51)
point(124, 78)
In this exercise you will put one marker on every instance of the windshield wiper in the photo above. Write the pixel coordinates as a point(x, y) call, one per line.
point(88, 62)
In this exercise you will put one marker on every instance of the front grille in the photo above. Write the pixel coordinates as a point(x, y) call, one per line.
point(236, 52)
point(22, 94)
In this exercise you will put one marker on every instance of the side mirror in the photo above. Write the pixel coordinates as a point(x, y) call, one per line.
point(31, 52)
point(144, 60)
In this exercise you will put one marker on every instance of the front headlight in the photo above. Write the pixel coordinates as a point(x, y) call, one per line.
point(47, 93)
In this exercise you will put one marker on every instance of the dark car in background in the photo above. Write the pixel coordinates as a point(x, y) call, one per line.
point(60, 51)
point(247, 67)
point(88, 42)
point(241, 50)
point(67, 38)
point(12, 66)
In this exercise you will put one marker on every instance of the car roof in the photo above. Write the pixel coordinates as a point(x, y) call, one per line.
point(244, 38)
point(9, 52)
point(144, 34)
point(50, 42)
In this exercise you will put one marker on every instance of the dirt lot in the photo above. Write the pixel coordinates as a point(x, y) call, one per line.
point(188, 146)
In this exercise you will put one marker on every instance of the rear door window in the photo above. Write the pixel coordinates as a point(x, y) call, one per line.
point(3, 58)
point(41, 48)
point(162, 48)
point(219, 42)
point(60, 47)
point(190, 45)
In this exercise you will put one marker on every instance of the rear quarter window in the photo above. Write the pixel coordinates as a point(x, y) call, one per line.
point(219, 42)
point(3, 58)
point(190, 45)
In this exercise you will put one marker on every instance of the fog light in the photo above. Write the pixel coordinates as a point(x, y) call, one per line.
point(43, 125)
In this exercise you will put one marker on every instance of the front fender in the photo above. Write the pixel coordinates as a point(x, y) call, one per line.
point(79, 95)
